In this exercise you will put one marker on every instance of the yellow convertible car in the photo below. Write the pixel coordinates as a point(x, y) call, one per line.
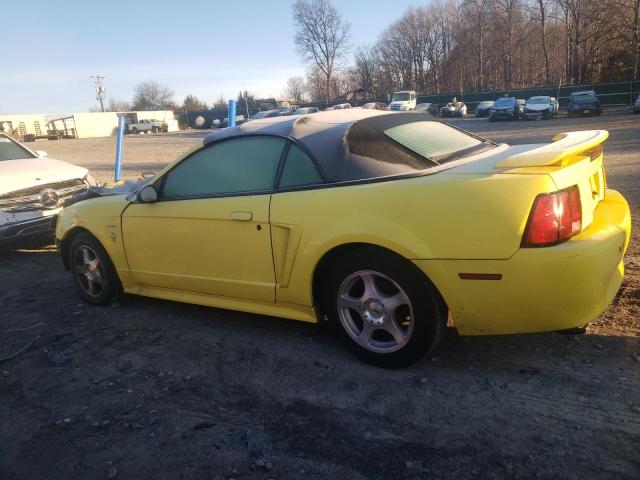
point(379, 223)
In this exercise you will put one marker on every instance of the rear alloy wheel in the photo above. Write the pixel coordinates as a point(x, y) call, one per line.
point(92, 270)
point(387, 311)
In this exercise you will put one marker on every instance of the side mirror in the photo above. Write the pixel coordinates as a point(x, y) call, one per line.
point(41, 153)
point(148, 194)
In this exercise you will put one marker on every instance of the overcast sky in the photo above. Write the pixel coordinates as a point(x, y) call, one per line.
point(50, 49)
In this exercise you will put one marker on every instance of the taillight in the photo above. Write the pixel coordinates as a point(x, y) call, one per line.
point(555, 217)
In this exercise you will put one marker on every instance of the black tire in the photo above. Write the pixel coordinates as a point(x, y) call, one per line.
point(134, 130)
point(84, 243)
point(154, 130)
point(429, 313)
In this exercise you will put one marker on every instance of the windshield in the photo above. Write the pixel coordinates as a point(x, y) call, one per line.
point(283, 109)
point(485, 104)
point(10, 150)
point(538, 100)
point(432, 140)
point(584, 97)
point(401, 97)
point(505, 102)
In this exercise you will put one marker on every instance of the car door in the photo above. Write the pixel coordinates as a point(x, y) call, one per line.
point(209, 230)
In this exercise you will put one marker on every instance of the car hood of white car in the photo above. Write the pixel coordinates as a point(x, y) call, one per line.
point(32, 172)
point(537, 107)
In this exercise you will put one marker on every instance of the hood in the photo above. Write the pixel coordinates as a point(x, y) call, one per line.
point(32, 172)
point(504, 107)
point(400, 102)
point(538, 107)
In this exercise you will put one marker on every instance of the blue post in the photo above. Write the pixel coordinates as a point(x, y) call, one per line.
point(119, 142)
point(232, 113)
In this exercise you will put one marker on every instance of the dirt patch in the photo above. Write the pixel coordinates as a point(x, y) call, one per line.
point(154, 389)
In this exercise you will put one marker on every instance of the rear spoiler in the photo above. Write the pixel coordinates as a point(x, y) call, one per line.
point(562, 151)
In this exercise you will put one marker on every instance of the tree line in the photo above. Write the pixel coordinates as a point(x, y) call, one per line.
point(447, 46)
point(472, 45)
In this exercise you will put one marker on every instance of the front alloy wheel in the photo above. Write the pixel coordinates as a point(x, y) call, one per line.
point(88, 271)
point(92, 270)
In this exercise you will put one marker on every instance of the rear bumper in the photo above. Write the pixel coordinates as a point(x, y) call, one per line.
point(541, 289)
point(586, 111)
point(503, 116)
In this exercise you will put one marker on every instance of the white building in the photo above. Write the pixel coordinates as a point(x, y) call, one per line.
point(81, 124)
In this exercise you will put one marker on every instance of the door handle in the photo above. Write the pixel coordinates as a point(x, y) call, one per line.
point(243, 216)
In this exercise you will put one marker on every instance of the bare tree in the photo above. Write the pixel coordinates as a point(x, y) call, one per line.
point(322, 37)
point(220, 103)
point(316, 85)
point(116, 105)
point(295, 89)
point(193, 103)
point(151, 95)
point(364, 69)
point(480, 11)
point(246, 100)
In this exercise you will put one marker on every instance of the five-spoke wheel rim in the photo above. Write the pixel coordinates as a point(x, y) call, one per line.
point(375, 311)
point(88, 270)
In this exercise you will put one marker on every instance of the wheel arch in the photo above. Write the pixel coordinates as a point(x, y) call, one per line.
point(65, 243)
point(334, 254)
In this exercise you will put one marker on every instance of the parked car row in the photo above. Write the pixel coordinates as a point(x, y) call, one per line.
point(537, 107)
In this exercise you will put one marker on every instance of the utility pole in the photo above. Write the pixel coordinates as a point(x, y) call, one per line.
point(100, 90)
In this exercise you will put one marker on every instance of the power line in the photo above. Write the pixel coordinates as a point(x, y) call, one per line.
point(100, 90)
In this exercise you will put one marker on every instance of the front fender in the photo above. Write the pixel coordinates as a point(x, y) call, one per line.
point(101, 217)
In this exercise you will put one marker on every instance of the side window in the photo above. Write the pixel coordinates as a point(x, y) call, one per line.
point(299, 169)
point(239, 165)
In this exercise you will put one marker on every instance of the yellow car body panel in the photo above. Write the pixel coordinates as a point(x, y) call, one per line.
point(540, 289)
point(468, 219)
point(435, 216)
point(102, 218)
point(216, 246)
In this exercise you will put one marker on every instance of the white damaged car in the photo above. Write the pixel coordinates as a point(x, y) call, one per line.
point(540, 107)
point(33, 189)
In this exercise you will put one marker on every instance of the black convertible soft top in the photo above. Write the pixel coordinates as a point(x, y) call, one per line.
point(347, 144)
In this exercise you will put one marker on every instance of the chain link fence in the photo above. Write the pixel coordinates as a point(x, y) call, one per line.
point(616, 94)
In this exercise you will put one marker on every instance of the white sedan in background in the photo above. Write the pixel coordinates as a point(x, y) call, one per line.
point(34, 189)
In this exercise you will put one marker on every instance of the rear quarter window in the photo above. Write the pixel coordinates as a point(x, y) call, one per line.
point(432, 140)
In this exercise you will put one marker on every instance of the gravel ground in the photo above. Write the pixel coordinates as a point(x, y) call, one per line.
point(152, 389)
